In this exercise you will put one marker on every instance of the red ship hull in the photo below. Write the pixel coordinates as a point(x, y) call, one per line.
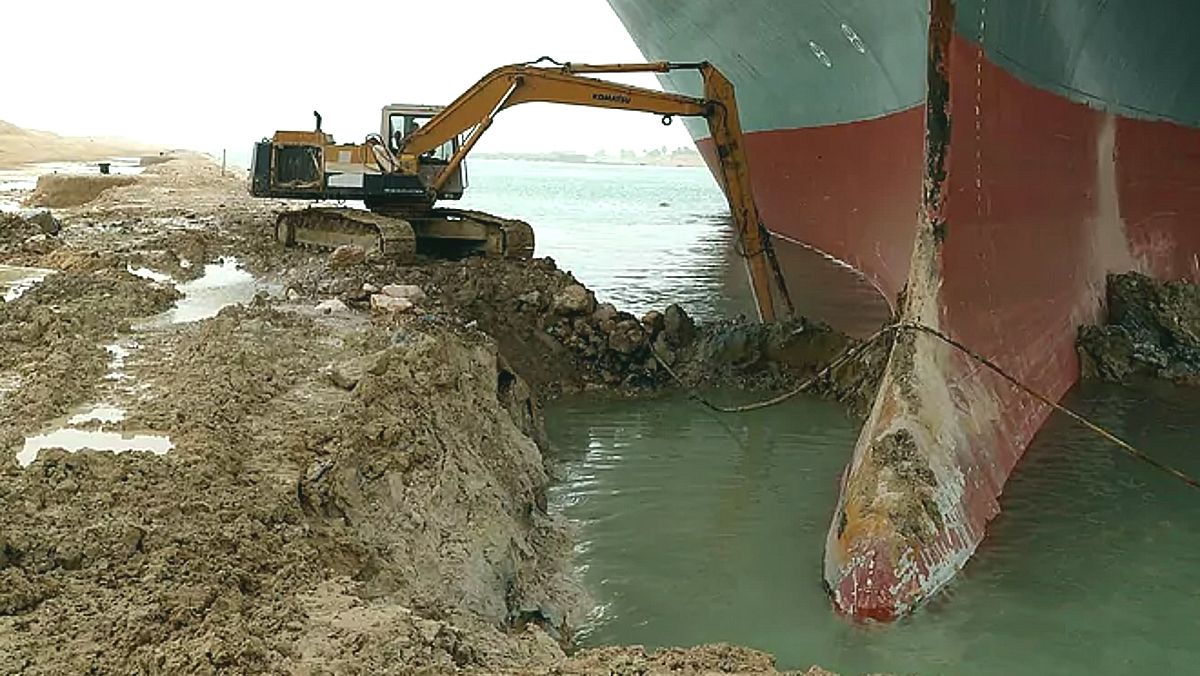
point(986, 176)
point(1040, 199)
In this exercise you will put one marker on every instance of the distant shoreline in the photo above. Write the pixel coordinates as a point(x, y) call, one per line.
point(673, 159)
point(20, 147)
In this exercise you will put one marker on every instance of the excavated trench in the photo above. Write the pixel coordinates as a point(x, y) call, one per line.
point(228, 455)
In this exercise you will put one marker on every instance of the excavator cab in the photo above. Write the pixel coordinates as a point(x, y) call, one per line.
point(401, 121)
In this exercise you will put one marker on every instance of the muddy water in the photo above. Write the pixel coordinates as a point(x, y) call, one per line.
point(693, 528)
point(222, 284)
point(74, 440)
point(15, 280)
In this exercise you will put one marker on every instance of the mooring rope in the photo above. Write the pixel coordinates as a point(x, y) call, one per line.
point(854, 351)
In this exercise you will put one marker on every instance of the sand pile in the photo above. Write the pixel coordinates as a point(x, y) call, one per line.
point(71, 190)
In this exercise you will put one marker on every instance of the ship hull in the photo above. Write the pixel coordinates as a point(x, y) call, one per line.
point(1057, 144)
point(1040, 193)
point(831, 106)
point(809, 183)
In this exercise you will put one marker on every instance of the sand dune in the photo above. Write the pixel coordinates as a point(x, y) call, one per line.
point(22, 146)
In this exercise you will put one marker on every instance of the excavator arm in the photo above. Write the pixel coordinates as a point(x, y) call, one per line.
point(473, 112)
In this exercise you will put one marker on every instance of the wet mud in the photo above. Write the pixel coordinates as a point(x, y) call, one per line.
point(1152, 331)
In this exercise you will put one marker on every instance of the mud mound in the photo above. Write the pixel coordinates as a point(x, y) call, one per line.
point(72, 190)
point(293, 513)
point(25, 236)
point(1153, 330)
point(17, 227)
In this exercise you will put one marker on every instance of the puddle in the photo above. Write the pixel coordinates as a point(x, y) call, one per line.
point(102, 414)
point(15, 280)
point(222, 284)
point(9, 383)
point(116, 363)
point(22, 183)
point(147, 273)
point(74, 440)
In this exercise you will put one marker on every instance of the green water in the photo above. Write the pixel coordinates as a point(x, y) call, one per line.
point(642, 237)
point(694, 529)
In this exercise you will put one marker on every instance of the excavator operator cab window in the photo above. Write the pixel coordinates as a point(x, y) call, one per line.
point(402, 125)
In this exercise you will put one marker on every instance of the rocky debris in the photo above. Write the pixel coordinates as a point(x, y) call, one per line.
point(347, 255)
point(654, 322)
point(611, 347)
point(574, 300)
point(627, 337)
point(1153, 330)
point(385, 303)
point(332, 306)
point(604, 312)
point(348, 374)
point(553, 332)
point(678, 327)
point(410, 292)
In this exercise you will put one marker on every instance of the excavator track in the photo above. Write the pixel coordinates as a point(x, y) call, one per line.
point(329, 228)
point(515, 240)
point(440, 233)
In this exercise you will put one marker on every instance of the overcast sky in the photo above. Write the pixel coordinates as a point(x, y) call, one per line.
point(221, 74)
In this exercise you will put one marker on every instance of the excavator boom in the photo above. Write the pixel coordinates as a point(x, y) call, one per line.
point(407, 179)
point(509, 86)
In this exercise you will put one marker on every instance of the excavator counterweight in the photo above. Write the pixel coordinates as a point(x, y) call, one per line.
point(417, 159)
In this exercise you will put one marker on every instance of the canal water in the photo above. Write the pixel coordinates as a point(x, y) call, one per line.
point(696, 528)
point(644, 236)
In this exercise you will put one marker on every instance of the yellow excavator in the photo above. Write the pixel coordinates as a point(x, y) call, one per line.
point(417, 159)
